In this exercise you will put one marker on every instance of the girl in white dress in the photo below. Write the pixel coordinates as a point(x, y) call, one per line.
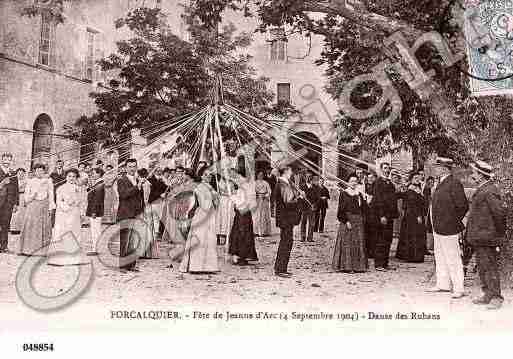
point(68, 224)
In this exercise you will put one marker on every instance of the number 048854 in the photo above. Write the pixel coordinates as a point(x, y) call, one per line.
point(39, 347)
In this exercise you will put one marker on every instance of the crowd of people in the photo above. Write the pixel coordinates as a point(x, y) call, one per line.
point(203, 208)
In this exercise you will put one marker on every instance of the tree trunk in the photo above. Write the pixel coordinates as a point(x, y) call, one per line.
point(506, 257)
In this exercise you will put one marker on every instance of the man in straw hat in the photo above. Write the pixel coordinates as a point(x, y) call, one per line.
point(485, 233)
point(448, 208)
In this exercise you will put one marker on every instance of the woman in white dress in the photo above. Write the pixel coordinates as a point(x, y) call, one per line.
point(36, 230)
point(262, 216)
point(200, 255)
point(151, 250)
point(68, 223)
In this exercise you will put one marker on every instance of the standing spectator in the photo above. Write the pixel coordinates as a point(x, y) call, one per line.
point(309, 207)
point(95, 207)
point(8, 199)
point(36, 231)
point(486, 228)
point(428, 191)
point(19, 215)
point(58, 178)
point(130, 206)
point(263, 210)
point(287, 216)
point(412, 241)
point(349, 254)
point(371, 222)
point(225, 213)
point(324, 197)
point(158, 187)
point(385, 204)
point(151, 248)
point(68, 220)
point(272, 179)
point(361, 177)
point(448, 208)
point(111, 205)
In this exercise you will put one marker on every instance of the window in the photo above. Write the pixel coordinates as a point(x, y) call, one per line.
point(284, 93)
point(46, 41)
point(89, 62)
point(278, 50)
point(278, 45)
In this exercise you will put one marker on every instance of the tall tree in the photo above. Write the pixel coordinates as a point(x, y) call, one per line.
point(159, 76)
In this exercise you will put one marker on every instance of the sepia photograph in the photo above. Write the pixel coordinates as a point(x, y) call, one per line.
point(254, 167)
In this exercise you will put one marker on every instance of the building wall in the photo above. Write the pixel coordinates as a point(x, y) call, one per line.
point(307, 81)
point(60, 91)
point(28, 89)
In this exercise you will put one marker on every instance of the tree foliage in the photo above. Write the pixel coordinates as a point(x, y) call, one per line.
point(159, 76)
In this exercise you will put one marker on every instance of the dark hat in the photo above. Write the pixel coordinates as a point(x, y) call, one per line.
point(362, 166)
point(444, 161)
point(483, 167)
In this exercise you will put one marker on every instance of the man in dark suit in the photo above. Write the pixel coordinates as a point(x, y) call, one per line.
point(58, 178)
point(324, 196)
point(287, 216)
point(448, 208)
point(271, 179)
point(385, 205)
point(486, 228)
point(312, 193)
point(130, 206)
point(8, 198)
point(95, 207)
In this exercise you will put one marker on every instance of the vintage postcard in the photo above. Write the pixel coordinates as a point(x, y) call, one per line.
point(269, 167)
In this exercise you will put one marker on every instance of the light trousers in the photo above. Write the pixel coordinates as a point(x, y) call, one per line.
point(449, 266)
point(95, 224)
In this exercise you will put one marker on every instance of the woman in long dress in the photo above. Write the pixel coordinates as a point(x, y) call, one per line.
point(263, 210)
point(151, 244)
point(109, 180)
point(242, 237)
point(225, 212)
point(68, 223)
point(18, 217)
point(200, 255)
point(350, 254)
point(412, 241)
point(36, 231)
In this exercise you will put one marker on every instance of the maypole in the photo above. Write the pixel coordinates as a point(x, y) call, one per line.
point(219, 103)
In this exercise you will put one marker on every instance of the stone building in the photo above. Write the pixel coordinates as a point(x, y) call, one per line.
point(47, 71)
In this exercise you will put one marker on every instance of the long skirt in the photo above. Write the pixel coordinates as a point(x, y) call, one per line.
point(110, 205)
point(242, 238)
point(151, 246)
point(349, 254)
point(224, 216)
point(200, 252)
point(262, 218)
point(18, 218)
point(412, 242)
point(67, 239)
point(169, 218)
point(36, 230)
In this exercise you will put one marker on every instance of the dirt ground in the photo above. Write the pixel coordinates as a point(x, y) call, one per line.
point(314, 287)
